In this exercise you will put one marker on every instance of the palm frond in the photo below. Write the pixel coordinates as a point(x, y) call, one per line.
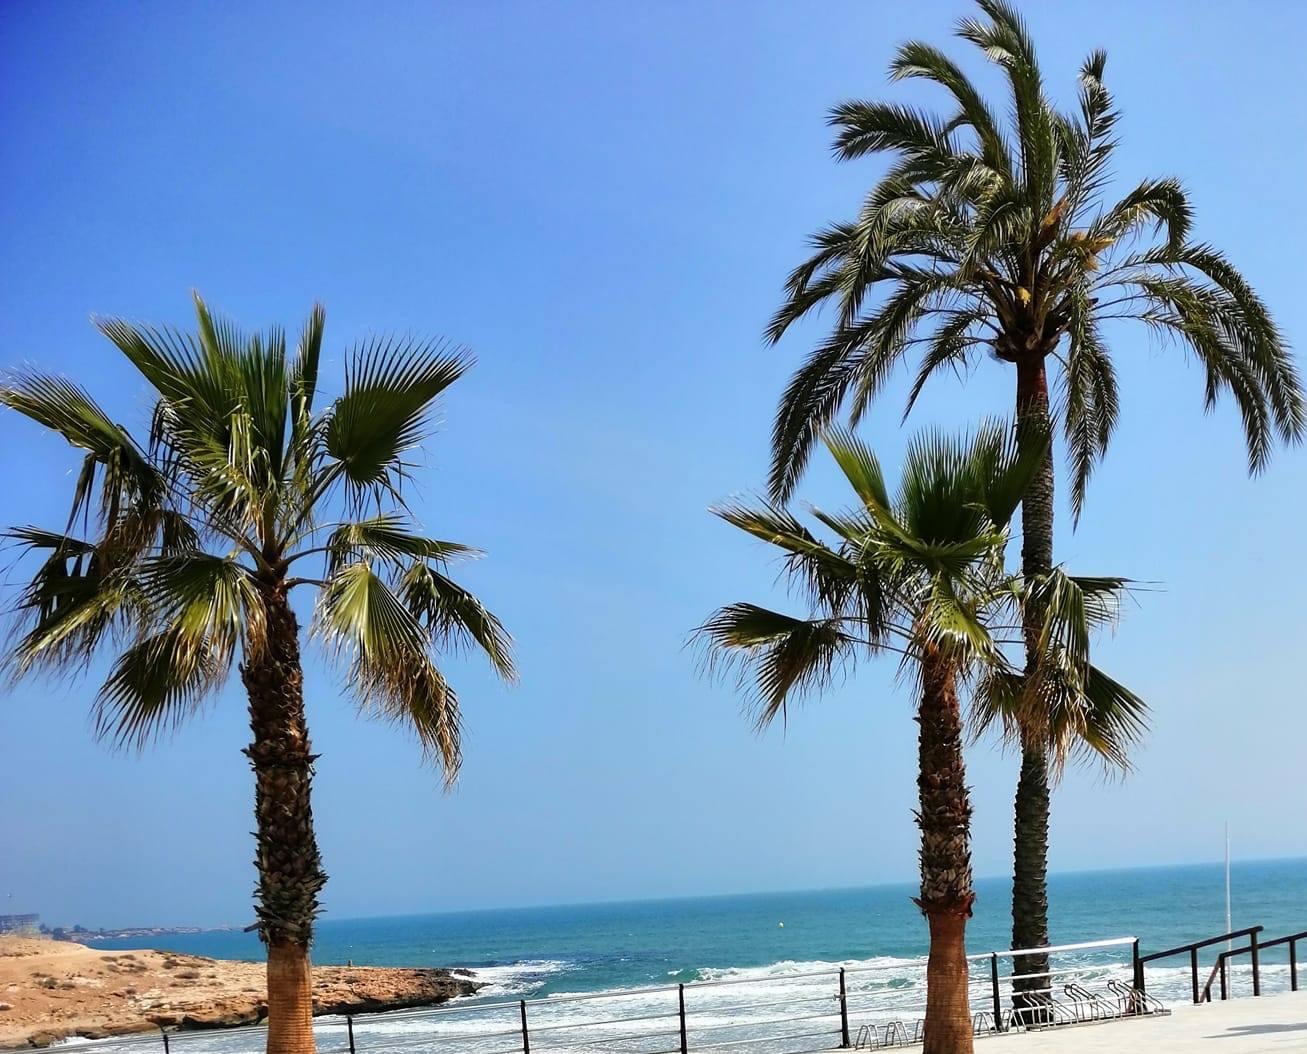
point(815, 393)
point(1006, 41)
point(1090, 403)
point(126, 476)
point(860, 466)
point(75, 600)
point(418, 697)
point(1108, 722)
point(1001, 463)
point(779, 659)
point(303, 381)
point(953, 625)
point(391, 668)
point(951, 345)
point(155, 685)
point(920, 60)
point(815, 279)
point(205, 597)
point(868, 127)
point(388, 537)
point(1161, 201)
point(454, 616)
point(824, 573)
point(383, 413)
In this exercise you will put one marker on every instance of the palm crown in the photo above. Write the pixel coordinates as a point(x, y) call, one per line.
point(922, 574)
point(995, 235)
point(179, 546)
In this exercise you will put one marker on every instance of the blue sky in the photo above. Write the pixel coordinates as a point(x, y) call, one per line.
point(602, 200)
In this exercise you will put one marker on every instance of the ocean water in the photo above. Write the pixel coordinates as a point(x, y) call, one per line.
point(759, 963)
point(531, 952)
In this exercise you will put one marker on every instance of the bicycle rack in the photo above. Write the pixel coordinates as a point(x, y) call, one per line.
point(1090, 1006)
point(1081, 1006)
point(1040, 1016)
point(868, 1038)
point(1133, 1001)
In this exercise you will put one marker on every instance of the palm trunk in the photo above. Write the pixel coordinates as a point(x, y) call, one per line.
point(1030, 857)
point(290, 871)
point(944, 817)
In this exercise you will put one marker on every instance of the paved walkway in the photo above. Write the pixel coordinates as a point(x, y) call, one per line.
point(1272, 1024)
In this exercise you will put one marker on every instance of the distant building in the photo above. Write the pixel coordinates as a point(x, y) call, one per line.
point(20, 923)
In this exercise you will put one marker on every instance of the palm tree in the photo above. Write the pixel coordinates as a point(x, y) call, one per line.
point(995, 236)
point(183, 551)
point(921, 577)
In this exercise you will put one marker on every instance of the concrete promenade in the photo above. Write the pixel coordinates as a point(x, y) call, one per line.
point(1274, 1024)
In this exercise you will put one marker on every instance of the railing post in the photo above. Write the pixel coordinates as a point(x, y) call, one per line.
point(165, 1040)
point(1193, 967)
point(349, 1028)
point(844, 1012)
point(685, 1043)
point(526, 1036)
point(998, 1000)
point(1225, 989)
point(1257, 969)
point(1139, 967)
point(1293, 966)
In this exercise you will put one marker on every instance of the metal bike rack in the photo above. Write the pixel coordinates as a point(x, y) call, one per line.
point(1134, 1001)
point(1090, 1005)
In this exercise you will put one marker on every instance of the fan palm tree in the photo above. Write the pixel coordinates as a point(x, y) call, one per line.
point(921, 577)
point(995, 236)
point(183, 550)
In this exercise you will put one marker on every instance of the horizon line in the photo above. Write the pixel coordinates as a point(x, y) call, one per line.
point(616, 901)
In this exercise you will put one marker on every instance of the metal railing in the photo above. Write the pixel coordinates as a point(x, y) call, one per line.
point(1254, 949)
point(1061, 997)
point(1192, 949)
point(873, 1006)
point(870, 1006)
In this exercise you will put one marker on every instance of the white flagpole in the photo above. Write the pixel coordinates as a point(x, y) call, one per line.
point(1228, 924)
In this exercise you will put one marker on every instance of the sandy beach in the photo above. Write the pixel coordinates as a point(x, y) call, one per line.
point(50, 990)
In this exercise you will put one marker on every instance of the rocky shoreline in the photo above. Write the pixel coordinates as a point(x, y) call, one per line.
point(52, 990)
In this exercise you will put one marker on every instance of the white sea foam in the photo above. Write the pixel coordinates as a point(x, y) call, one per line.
point(788, 968)
point(519, 979)
point(757, 1004)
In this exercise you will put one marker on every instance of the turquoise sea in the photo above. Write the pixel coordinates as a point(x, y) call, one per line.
point(549, 951)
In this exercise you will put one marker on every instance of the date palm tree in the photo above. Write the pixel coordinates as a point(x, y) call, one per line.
point(994, 236)
point(921, 577)
point(183, 550)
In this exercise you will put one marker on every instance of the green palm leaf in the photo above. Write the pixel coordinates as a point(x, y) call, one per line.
point(388, 537)
point(383, 413)
point(454, 616)
point(155, 685)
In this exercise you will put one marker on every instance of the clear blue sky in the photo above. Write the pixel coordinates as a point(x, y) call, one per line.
point(602, 200)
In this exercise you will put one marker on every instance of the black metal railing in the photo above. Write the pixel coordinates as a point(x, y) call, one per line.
point(1192, 949)
point(1254, 949)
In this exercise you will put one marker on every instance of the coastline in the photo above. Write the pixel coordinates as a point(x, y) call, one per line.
point(589, 948)
point(53, 990)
